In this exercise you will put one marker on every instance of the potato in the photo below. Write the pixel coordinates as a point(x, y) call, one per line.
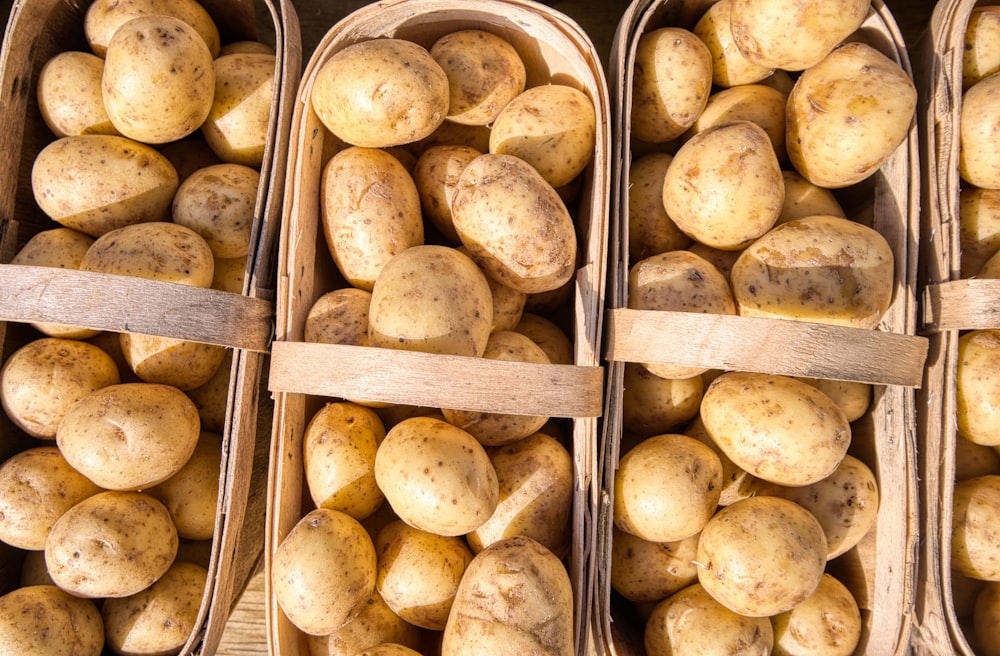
point(847, 115)
point(672, 80)
point(650, 229)
point(69, 95)
point(535, 477)
point(645, 571)
point(514, 224)
point(419, 572)
point(757, 103)
point(652, 405)
point(973, 459)
point(42, 619)
point(729, 67)
point(853, 398)
point(495, 428)
point(339, 448)
point(986, 619)
point(218, 202)
point(158, 80)
point(724, 187)
point(323, 571)
point(436, 476)
point(432, 299)
point(246, 46)
point(776, 427)
point(825, 269)
point(981, 56)
point(159, 619)
point(339, 317)
point(238, 121)
point(976, 387)
point(43, 379)
point(761, 556)
point(543, 331)
point(189, 155)
point(678, 281)
point(553, 127)
point(96, 183)
point(37, 486)
point(229, 274)
point(130, 436)
point(389, 649)
point(450, 133)
point(803, 198)
point(112, 544)
point(827, 622)
point(979, 227)
point(793, 38)
point(375, 624)
point(973, 536)
point(485, 72)
point(487, 618)
point(720, 259)
point(192, 494)
point(370, 211)
point(435, 174)
point(381, 92)
point(845, 503)
point(692, 622)
point(104, 17)
point(666, 488)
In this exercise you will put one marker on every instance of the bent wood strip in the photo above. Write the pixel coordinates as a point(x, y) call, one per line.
point(969, 304)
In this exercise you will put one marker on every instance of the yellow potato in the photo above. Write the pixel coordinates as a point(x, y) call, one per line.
point(436, 476)
point(979, 227)
point(645, 571)
point(775, 427)
point(514, 224)
point(976, 385)
point(176, 362)
point(158, 80)
point(986, 619)
point(724, 187)
point(981, 55)
point(104, 17)
point(112, 544)
point(381, 92)
point(192, 493)
point(37, 486)
point(229, 274)
point(973, 538)
point(821, 268)
point(436, 174)
point(33, 570)
point(130, 436)
point(189, 155)
point(43, 379)
point(246, 46)
point(847, 115)
point(720, 259)
point(757, 103)
point(96, 183)
point(375, 624)
point(218, 202)
point(370, 210)
point(238, 122)
point(827, 622)
point(547, 334)
point(973, 459)
point(323, 571)
point(650, 229)
point(672, 80)
point(793, 37)
point(485, 72)
point(803, 198)
point(654, 405)
point(389, 649)
point(339, 317)
point(761, 556)
point(69, 95)
point(853, 398)
point(729, 67)
point(432, 299)
point(42, 619)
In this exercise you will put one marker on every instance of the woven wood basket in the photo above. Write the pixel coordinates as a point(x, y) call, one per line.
point(880, 571)
point(951, 304)
point(304, 376)
point(36, 31)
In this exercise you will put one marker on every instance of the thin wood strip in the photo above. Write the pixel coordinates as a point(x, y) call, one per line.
point(433, 380)
point(102, 301)
point(773, 346)
point(969, 304)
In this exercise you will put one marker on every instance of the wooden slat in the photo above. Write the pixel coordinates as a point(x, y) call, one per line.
point(970, 304)
point(792, 348)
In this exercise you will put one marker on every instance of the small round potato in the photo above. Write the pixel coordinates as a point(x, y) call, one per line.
point(825, 269)
point(978, 126)
point(776, 427)
point(553, 127)
point(238, 122)
point(761, 556)
point(192, 494)
point(33, 570)
point(436, 174)
point(485, 72)
point(159, 619)
point(37, 486)
point(374, 624)
point(180, 363)
point(381, 92)
point(436, 476)
point(339, 317)
point(246, 45)
point(803, 198)
point(757, 103)
point(212, 397)
point(218, 203)
point(692, 622)
point(973, 459)
point(130, 436)
point(229, 274)
point(672, 80)
point(104, 17)
point(112, 544)
point(432, 299)
point(724, 186)
point(729, 67)
point(644, 571)
point(547, 334)
point(189, 155)
point(323, 572)
point(979, 227)
point(974, 551)
point(43, 379)
point(653, 405)
point(388, 649)
point(42, 619)
point(981, 56)
point(514, 224)
point(976, 387)
point(650, 229)
point(158, 80)
point(853, 398)
point(826, 622)
point(69, 95)
point(97, 182)
point(370, 209)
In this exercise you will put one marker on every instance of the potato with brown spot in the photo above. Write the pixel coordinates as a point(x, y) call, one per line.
point(42, 619)
point(104, 17)
point(69, 95)
point(239, 120)
point(218, 202)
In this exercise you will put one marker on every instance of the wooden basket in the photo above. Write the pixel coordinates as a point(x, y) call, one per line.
point(950, 305)
point(305, 375)
point(880, 571)
point(36, 31)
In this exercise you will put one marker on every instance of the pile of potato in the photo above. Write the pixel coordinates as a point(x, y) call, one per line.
point(447, 197)
point(975, 572)
point(153, 171)
point(735, 491)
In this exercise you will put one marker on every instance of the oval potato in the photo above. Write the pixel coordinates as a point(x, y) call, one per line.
point(104, 17)
point(218, 202)
point(238, 121)
point(192, 493)
point(645, 571)
point(729, 67)
point(828, 622)
point(69, 95)
point(42, 619)
point(650, 229)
